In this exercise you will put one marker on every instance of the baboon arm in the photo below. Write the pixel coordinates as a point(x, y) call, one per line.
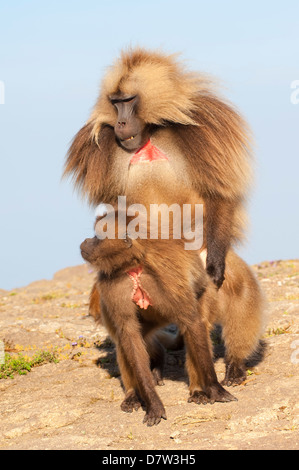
point(132, 347)
point(219, 222)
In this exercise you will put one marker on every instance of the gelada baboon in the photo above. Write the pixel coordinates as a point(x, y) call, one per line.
point(147, 284)
point(160, 134)
point(142, 291)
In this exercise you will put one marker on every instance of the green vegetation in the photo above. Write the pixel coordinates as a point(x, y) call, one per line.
point(279, 331)
point(49, 296)
point(19, 364)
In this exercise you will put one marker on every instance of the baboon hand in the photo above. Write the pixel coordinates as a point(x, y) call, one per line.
point(131, 402)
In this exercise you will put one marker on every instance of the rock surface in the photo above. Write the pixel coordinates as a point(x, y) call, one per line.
point(75, 403)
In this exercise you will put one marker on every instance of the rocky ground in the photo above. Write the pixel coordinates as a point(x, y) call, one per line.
point(71, 397)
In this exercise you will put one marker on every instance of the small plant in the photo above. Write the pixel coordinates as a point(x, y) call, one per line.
point(279, 331)
point(69, 305)
point(49, 296)
point(19, 364)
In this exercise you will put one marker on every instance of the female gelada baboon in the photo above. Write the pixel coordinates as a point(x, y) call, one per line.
point(147, 284)
point(159, 134)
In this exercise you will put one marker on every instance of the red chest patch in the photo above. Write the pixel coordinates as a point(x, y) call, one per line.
point(139, 295)
point(147, 154)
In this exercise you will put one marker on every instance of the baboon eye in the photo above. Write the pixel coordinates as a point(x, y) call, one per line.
point(122, 100)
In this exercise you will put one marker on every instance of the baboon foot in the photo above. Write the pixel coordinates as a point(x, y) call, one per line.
point(235, 374)
point(157, 375)
point(200, 398)
point(154, 414)
point(216, 393)
point(131, 402)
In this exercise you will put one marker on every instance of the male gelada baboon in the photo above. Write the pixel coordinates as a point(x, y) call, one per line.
point(147, 284)
point(159, 134)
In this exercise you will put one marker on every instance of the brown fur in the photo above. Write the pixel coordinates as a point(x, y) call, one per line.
point(211, 135)
point(167, 91)
point(207, 145)
point(238, 308)
point(174, 282)
point(205, 139)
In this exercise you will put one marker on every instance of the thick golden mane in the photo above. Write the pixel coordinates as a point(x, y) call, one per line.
point(208, 131)
point(168, 93)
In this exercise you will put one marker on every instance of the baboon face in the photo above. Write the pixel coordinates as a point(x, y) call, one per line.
point(130, 130)
point(90, 249)
point(94, 250)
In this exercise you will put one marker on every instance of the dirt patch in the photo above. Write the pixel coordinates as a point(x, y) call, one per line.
point(74, 401)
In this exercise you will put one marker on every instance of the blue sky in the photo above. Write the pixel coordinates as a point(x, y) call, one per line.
point(52, 57)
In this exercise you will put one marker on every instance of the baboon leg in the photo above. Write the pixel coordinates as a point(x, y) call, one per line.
point(156, 353)
point(240, 341)
point(157, 357)
point(154, 348)
point(94, 303)
point(132, 400)
point(132, 346)
point(204, 386)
